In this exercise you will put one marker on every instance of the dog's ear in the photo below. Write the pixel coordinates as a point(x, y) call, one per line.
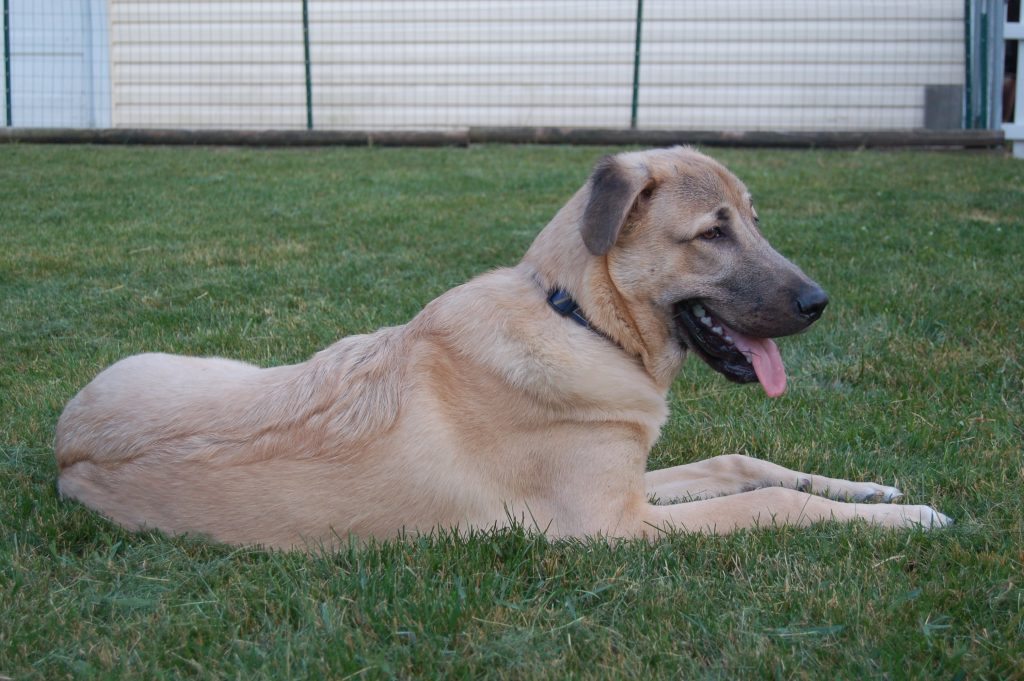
point(613, 193)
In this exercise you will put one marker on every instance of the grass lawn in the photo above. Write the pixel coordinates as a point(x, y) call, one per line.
point(913, 378)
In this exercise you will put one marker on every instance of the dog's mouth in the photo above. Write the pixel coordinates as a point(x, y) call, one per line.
point(739, 358)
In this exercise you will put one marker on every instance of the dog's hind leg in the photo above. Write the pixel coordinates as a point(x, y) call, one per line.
point(736, 473)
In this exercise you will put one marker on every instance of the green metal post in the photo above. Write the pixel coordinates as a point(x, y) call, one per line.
point(968, 69)
point(636, 63)
point(309, 74)
point(7, 62)
point(983, 76)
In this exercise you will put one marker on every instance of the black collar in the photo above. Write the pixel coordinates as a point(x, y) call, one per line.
point(563, 303)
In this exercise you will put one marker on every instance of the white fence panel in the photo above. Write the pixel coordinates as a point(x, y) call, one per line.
point(1015, 131)
point(707, 64)
point(58, 63)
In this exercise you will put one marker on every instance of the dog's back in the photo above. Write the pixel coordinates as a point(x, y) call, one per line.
point(217, 446)
point(164, 391)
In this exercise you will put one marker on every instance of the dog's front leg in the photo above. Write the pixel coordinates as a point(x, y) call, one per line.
point(778, 506)
point(735, 473)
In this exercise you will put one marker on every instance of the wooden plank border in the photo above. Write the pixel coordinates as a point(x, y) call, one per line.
point(969, 139)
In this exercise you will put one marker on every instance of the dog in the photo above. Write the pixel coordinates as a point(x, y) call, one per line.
point(531, 394)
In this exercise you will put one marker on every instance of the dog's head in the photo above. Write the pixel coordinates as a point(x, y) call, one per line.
point(680, 236)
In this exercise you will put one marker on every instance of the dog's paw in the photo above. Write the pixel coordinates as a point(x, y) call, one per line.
point(858, 492)
point(871, 492)
point(925, 517)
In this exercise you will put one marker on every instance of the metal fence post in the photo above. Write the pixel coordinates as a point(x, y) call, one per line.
point(983, 63)
point(968, 66)
point(7, 63)
point(636, 63)
point(309, 75)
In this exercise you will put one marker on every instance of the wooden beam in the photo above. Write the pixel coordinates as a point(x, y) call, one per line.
point(504, 135)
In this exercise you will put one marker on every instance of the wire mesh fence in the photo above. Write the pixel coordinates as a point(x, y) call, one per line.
point(777, 65)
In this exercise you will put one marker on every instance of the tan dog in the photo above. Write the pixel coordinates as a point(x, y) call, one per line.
point(502, 400)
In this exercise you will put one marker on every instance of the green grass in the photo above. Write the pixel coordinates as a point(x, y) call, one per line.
point(913, 377)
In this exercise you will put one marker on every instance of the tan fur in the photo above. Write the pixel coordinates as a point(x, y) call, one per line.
point(487, 407)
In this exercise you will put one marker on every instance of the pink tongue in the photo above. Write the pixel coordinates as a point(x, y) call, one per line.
point(764, 355)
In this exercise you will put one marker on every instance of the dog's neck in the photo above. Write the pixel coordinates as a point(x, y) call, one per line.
point(559, 260)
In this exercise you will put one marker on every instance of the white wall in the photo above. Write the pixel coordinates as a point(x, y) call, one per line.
point(797, 64)
point(436, 64)
point(186, 64)
point(705, 64)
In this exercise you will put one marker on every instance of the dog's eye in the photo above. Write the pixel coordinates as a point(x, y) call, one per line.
point(713, 233)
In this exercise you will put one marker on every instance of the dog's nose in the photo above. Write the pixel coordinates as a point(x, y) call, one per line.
point(811, 302)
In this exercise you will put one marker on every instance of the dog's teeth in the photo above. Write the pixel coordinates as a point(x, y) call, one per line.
point(728, 339)
point(706, 321)
point(698, 311)
point(717, 330)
